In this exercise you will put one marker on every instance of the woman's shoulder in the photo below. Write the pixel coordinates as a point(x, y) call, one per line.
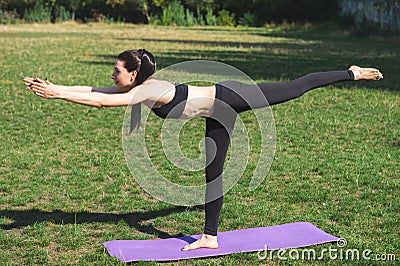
point(154, 88)
point(158, 82)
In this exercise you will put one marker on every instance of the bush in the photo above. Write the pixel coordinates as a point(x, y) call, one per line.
point(8, 17)
point(190, 18)
point(61, 14)
point(173, 14)
point(39, 13)
point(225, 18)
point(211, 19)
point(249, 20)
point(200, 18)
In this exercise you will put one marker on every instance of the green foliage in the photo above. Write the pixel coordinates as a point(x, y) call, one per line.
point(200, 18)
point(199, 4)
point(62, 14)
point(279, 10)
point(225, 18)
point(8, 17)
point(211, 19)
point(163, 3)
point(39, 13)
point(195, 12)
point(114, 3)
point(191, 20)
point(174, 14)
point(249, 20)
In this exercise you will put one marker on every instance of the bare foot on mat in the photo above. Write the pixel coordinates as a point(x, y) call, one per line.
point(206, 241)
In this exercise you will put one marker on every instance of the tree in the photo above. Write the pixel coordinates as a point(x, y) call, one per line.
point(74, 5)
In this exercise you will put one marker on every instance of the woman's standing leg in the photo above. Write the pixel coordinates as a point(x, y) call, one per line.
point(217, 144)
point(218, 137)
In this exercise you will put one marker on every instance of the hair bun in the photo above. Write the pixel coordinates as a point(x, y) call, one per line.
point(142, 52)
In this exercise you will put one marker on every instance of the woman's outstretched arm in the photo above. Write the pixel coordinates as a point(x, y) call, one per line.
point(85, 95)
point(108, 90)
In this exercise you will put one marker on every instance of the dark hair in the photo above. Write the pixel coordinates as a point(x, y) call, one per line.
point(144, 63)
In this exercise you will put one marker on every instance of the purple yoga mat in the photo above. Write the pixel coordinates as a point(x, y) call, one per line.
point(293, 235)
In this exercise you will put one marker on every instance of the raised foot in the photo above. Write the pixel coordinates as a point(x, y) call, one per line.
point(206, 241)
point(366, 73)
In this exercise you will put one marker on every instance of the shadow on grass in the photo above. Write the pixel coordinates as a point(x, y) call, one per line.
point(395, 144)
point(232, 44)
point(30, 217)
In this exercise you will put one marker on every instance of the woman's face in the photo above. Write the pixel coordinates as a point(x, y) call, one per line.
point(122, 78)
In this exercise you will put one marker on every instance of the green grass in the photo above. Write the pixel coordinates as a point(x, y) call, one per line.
point(65, 187)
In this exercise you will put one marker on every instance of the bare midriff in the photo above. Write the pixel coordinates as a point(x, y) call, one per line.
point(200, 102)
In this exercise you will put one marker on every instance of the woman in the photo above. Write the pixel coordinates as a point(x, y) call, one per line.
point(133, 85)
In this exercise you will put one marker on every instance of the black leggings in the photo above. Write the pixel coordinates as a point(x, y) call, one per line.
point(242, 97)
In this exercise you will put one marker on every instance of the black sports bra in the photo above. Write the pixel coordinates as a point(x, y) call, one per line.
point(174, 109)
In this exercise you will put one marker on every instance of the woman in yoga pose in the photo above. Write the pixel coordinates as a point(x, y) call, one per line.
point(134, 85)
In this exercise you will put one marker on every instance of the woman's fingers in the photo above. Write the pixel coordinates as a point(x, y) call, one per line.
point(36, 89)
point(42, 90)
point(28, 81)
point(34, 80)
point(40, 80)
point(38, 86)
point(38, 93)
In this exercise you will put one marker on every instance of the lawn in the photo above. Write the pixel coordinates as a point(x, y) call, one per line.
point(64, 182)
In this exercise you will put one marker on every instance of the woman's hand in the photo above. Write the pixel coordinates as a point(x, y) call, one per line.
point(42, 88)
